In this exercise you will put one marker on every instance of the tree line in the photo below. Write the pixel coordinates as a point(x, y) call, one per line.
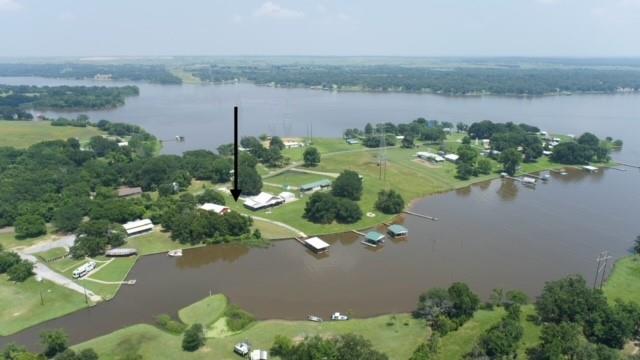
point(158, 74)
point(446, 81)
point(16, 100)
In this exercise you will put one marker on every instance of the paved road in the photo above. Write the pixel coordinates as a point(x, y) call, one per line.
point(44, 272)
point(64, 242)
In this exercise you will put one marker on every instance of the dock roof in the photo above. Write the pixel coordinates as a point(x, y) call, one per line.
point(374, 236)
point(316, 184)
point(316, 243)
point(398, 229)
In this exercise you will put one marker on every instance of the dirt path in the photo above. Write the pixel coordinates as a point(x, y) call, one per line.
point(300, 233)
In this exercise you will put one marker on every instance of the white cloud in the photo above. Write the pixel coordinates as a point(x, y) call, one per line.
point(273, 10)
point(9, 5)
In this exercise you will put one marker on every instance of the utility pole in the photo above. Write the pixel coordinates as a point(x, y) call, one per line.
point(604, 268)
point(601, 267)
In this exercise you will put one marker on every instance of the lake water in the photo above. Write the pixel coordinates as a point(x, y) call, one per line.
point(493, 234)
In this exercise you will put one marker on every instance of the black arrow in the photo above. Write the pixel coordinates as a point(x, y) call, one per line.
point(235, 192)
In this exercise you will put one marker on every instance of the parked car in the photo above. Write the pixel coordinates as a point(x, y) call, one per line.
point(339, 317)
point(242, 349)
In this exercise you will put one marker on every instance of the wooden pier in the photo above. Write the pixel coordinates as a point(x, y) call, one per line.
point(359, 233)
point(538, 177)
point(628, 165)
point(420, 215)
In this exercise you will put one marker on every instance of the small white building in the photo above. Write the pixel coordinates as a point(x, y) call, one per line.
point(262, 201)
point(287, 196)
point(123, 143)
point(429, 156)
point(292, 144)
point(259, 355)
point(486, 143)
point(452, 157)
point(218, 209)
point(138, 227)
point(547, 152)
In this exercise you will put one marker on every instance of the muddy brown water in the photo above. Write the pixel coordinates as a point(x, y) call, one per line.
point(493, 234)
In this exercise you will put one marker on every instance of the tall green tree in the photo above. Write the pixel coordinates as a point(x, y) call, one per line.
point(29, 226)
point(510, 159)
point(347, 185)
point(193, 338)
point(54, 342)
point(389, 202)
point(311, 156)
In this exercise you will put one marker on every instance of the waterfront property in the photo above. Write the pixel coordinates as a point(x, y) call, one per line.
point(590, 168)
point(262, 201)
point(396, 230)
point(218, 209)
point(316, 245)
point(316, 185)
point(138, 227)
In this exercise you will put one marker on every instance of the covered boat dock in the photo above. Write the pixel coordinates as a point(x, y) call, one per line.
point(396, 230)
point(316, 245)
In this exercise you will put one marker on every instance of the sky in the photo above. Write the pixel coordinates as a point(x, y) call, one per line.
point(574, 28)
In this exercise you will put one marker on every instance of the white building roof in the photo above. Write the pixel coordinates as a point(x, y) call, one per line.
point(316, 243)
point(287, 196)
point(452, 157)
point(218, 209)
point(137, 226)
point(261, 200)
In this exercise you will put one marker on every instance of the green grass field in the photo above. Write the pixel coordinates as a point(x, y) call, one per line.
point(52, 254)
point(294, 178)
point(8, 238)
point(21, 307)
point(324, 146)
point(205, 311)
point(624, 282)
point(22, 134)
point(271, 231)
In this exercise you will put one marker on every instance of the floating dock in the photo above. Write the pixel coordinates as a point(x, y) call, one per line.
point(315, 244)
point(420, 215)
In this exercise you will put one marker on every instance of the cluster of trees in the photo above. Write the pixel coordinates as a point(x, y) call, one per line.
point(501, 340)
point(193, 338)
point(339, 205)
point(341, 347)
point(447, 309)
point(470, 164)
point(431, 131)
point(94, 236)
point(453, 81)
point(585, 149)
point(136, 72)
point(17, 270)
point(389, 202)
point(56, 346)
point(271, 156)
point(17, 99)
point(190, 225)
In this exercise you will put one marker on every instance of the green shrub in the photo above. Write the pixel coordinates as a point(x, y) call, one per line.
point(237, 319)
point(165, 322)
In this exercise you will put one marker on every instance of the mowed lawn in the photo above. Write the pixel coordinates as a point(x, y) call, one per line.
point(205, 311)
point(21, 305)
point(8, 238)
point(624, 282)
point(295, 178)
point(396, 335)
point(22, 134)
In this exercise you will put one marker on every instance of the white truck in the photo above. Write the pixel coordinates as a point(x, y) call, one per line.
point(242, 349)
point(339, 317)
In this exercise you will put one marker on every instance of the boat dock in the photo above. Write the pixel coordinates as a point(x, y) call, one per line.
point(543, 178)
point(628, 165)
point(358, 232)
point(420, 215)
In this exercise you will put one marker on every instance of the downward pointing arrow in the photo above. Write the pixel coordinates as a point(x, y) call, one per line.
point(235, 192)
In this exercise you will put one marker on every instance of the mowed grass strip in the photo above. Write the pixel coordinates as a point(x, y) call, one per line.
point(22, 134)
point(205, 311)
point(21, 305)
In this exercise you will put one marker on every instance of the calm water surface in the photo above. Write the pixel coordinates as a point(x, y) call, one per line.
point(493, 234)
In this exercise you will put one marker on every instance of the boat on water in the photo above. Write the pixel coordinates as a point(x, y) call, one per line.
point(175, 253)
